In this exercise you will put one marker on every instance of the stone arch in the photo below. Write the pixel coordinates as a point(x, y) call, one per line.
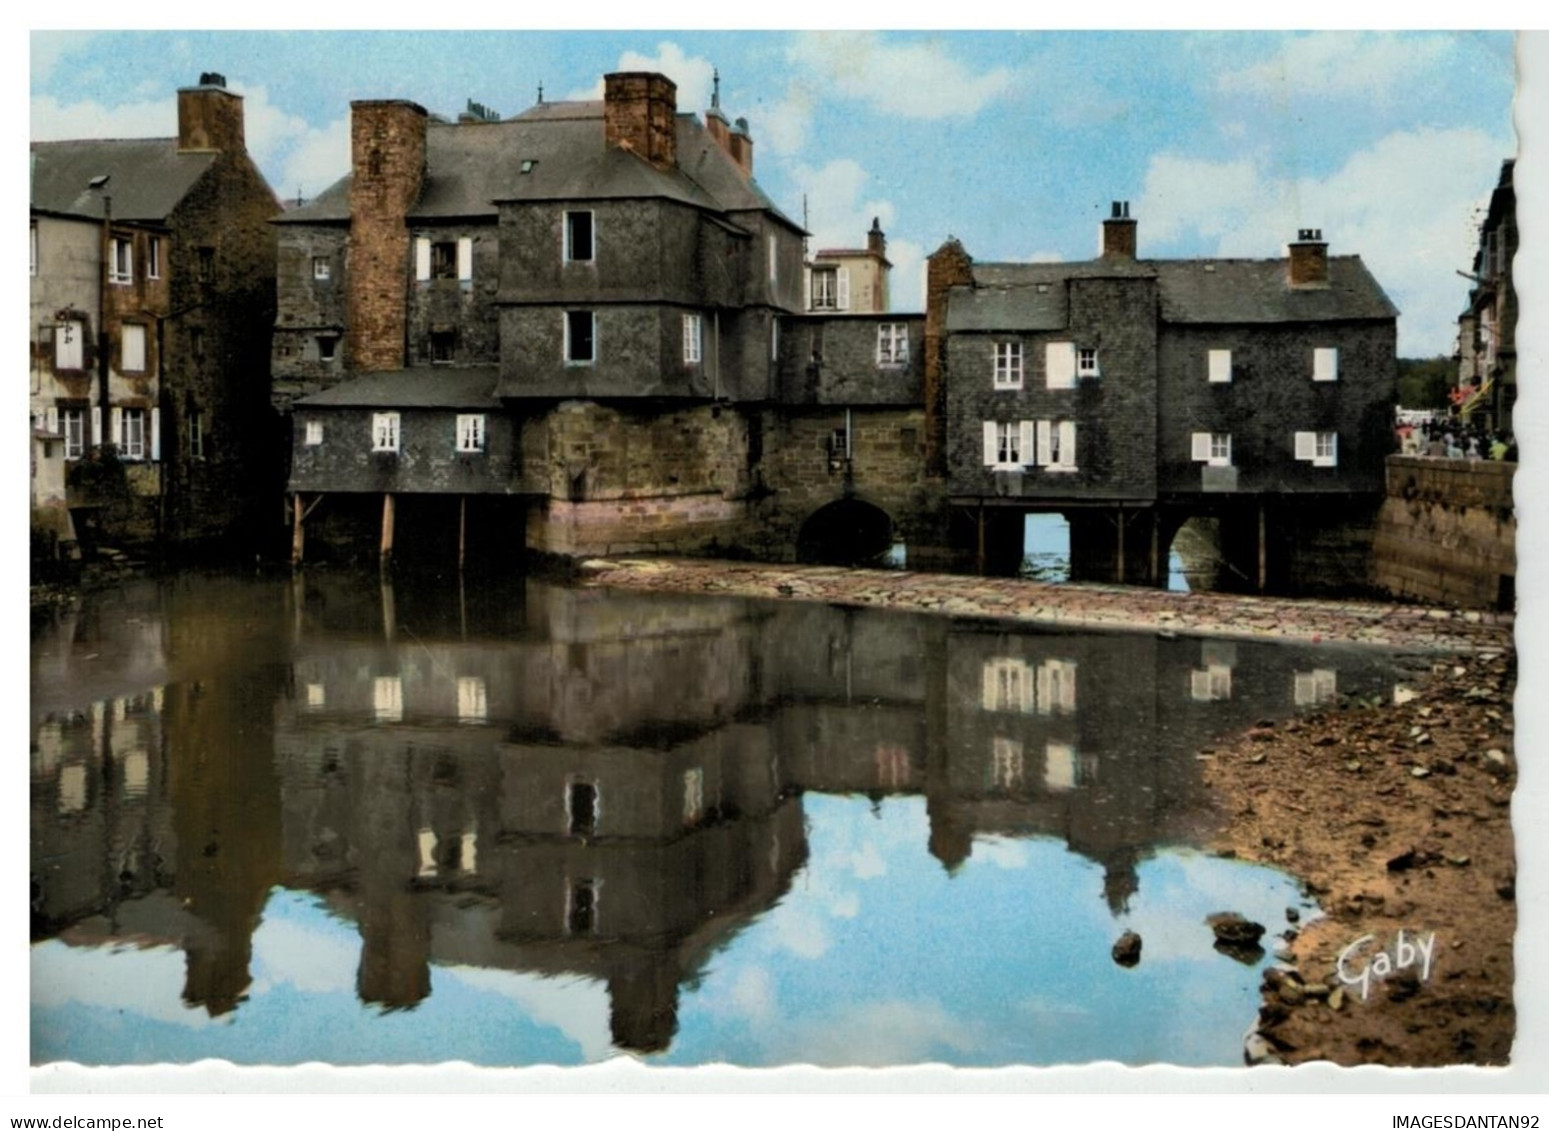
point(845, 532)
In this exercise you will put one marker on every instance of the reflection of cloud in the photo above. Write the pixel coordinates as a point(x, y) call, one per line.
point(845, 906)
point(313, 959)
point(1001, 851)
point(867, 863)
point(885, 1033)
point(800, 933)
point(577, 1007)
point(141, 983)
point(752, 994)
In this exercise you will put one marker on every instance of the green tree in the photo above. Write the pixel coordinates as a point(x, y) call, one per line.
point(1423, 381)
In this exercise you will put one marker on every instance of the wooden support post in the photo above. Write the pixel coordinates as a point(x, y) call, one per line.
point(1263, 548)
point(1121, 544)
point(389, 606)
point(462, 531)
point(387, 527)
point(298, 535)
point(1156, 549)
point(980, 562)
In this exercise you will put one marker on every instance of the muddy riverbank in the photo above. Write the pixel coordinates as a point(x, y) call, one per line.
point(1395, 815)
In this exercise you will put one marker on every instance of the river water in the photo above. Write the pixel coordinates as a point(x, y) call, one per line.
point(280, 820)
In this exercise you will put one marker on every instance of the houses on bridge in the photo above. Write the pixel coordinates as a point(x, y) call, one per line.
point(586, 330)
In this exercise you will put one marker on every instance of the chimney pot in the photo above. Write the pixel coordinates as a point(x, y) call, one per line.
point(1307, 261)
point(1118, 237)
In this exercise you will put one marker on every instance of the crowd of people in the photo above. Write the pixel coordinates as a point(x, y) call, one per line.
point(1456, 439)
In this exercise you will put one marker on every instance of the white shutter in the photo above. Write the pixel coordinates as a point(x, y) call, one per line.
point(51, 420)
point(132, 348)
point(844, 288)
point(1199, 686)
point(1067, 443)
point(1220, 366)
point(1025, 697)
point(96, 427)
point(1060, 365)
point(422, 259)
point(116, 426)
point(155, 434)
point(807, 288)
point(1045, 443)
point(1199, 444)
point(465, 258)
point(1306, 445)
point(1045, 692)
point(991, 447)
point(1029, 441)
point(989, 698)
point(1325, 364)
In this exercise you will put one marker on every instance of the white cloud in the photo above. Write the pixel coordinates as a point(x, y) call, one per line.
point(1003, 852)
point(47, 48)
point(315, 160)
point(314, 961)
point(801, 934)
point(53, 120)
point(910, 80)
point(886, 1033)
point(783, 126)
point(693, 75)
point(1405, 205)
point(1340, 64)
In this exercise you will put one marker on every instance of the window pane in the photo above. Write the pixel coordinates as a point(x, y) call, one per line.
point(579, 336)
point(578, 229)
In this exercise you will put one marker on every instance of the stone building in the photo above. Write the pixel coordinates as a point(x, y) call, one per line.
point(152, 283)
point(846, 280)
point(1133, 395)
point(1487, 328)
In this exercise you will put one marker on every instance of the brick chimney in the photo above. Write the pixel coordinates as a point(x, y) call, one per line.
point(209, 117)
point(742, 147)
point(1118, 240)
point(949, 266)
point(387, 159)
point(640, 111)
point(1307, 261)
point(876, 242)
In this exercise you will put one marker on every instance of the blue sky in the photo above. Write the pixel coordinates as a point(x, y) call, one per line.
point(1015, 142)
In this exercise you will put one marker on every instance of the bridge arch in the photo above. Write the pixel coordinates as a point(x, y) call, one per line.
point(846, 531)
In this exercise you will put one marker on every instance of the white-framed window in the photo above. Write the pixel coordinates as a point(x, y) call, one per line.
point(1061, 772)
point(314, 432)
point(195, 434)
point(470, 432)
point(131, 344)
point(72, 422)
point(1003, 446)
point(893, 343)
point(580, 244)
point(1008, 365)
point(384, 431)
point(1086, 362)
point(1212, 684)
point(121, 260)
point(1006, 763)
point(472, 699)
point(317, 696)
point(1056, 681)
point(1219, 366)
point(442, 259)
point(1321, 449)
point(1315, 688)
point(580, 337)
point(823, 289)
point(327, 347)
point(1325, 364)
point(1007, 685)
point(1056, 445)
point(69, 345)
point(1059, 365)
point(387, 698)
point(153, 257)
point(322, 269)
point(131, 432)
point(1213, 448)
point(693, 327)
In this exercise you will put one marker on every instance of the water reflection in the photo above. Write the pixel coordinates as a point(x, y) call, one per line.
point(538, 795)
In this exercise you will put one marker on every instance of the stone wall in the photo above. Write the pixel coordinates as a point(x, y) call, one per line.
point(1447, 533)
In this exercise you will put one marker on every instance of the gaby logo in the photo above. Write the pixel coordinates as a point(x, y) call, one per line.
point(1355, 968)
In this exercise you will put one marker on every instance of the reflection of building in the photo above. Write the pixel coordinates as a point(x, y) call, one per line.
point(607, 785)
point(152, 287)
point(1487, 329)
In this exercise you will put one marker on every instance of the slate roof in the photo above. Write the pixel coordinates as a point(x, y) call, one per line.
point(1032, 296)
point(471, 388)
point(147, 177)
point(471, 166)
